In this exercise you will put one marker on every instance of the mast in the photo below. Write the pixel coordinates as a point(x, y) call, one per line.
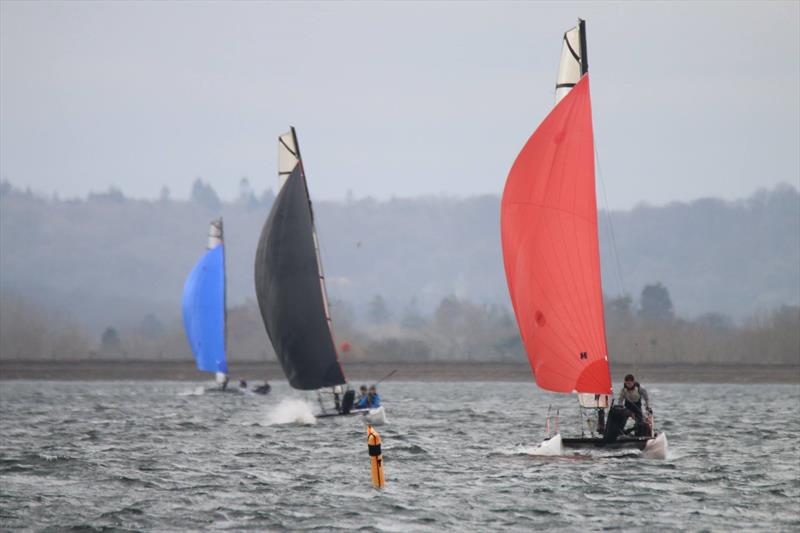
point(323, 286)
point(216, 237)
point(584, 51)
point(585, 399)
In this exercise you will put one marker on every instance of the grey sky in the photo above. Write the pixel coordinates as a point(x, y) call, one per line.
point(689, 99)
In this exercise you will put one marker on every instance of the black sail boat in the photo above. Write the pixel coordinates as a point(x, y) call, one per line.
point(291, 293)
point(290, 284)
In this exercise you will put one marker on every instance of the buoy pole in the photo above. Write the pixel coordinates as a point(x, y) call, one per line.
point(375, 457)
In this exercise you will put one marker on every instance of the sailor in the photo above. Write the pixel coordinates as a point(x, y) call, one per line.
point(631, 397)
point(374, 399)
point(337, 402)
point(363, 398)
point(242, 384)
point(263, 389)
point(222, 380)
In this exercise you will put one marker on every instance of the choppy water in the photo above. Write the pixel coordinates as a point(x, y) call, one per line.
point(146, 456)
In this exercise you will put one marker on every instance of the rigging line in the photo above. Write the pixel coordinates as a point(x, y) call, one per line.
point(621, 282)
point(321, 249)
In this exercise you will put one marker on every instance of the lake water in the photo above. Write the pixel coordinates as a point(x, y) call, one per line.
point(155, 456)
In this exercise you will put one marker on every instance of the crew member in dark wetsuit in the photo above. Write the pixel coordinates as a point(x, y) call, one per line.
point(337, 401)
point(263, 389)
point(631, 397)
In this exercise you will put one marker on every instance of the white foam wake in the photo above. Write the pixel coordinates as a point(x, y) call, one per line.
point(549, 447)
point(197, 391)
point(291, 411)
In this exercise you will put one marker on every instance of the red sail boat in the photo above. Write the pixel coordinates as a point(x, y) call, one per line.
point(551, 250)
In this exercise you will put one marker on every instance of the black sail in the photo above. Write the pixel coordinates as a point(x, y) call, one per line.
point(290, 290)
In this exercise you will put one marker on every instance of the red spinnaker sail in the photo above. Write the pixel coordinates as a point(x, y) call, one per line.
point(551, 251)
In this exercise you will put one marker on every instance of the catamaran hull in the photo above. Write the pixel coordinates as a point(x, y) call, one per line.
point(376, 417)
point(637, 443)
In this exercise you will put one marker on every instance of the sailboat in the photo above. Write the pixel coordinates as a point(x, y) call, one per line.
point(204, 314)
point(552, 257)
point(291, 292)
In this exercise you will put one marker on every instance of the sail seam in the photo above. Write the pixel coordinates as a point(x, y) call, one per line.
point(552, 208)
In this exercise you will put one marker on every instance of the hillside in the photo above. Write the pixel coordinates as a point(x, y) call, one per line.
point(108, 260)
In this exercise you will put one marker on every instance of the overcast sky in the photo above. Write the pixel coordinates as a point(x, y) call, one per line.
point(690, 99)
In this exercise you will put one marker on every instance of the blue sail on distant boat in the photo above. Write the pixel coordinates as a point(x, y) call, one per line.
point(204, 314)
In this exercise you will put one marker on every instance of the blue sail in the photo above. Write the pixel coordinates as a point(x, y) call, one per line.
point(204, 311)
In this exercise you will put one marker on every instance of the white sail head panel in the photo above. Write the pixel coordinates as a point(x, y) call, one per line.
point(571, 66)
point(288, 156)
point(215, 234)
point(589, 400)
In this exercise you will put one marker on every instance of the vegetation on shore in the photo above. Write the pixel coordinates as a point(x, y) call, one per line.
point(641, 332)
point(408, 279)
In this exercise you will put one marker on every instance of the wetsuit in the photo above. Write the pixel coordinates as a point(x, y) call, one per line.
point(374, 400)
point(362, 402)
point(263, 389)
point(632, 400)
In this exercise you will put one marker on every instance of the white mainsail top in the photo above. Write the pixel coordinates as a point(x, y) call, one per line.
point(215, 234)
point(288, 156)
point(573, 63)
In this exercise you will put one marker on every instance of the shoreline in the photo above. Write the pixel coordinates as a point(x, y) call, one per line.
point(155, 370)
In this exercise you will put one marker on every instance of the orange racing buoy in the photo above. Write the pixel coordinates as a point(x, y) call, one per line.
point(375, 457)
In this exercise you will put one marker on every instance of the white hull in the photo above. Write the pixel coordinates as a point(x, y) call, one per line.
point(656, 448)
point(376, 417)
point(549, 447)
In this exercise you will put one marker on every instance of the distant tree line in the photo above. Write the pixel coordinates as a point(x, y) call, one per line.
point(30, 332)
point(643, 331)
point(110, 259)
point(652, 334)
